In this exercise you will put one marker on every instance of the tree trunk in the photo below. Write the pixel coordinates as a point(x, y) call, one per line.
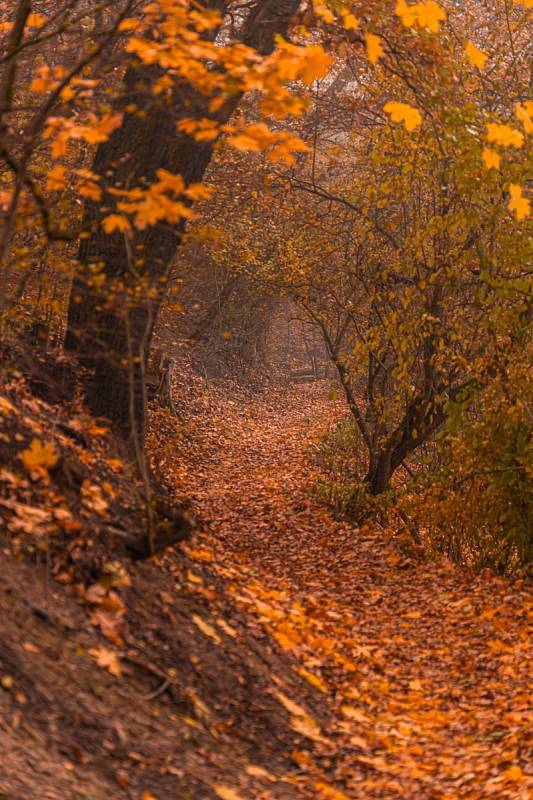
point(109, 327)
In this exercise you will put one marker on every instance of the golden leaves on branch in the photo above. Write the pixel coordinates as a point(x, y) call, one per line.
point(60, 130)
point(518, 204)
point(168, 199)
point(491, 159)
point(56, 179)
point(116, 222)
point(476, 56)
point(426, 15)
point(36, 20)
point(374, 47)
point(402, 112)
point(504, 135)
point(349, 21)
point(258, 137)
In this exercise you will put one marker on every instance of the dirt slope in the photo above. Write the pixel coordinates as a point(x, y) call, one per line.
point(186, 714)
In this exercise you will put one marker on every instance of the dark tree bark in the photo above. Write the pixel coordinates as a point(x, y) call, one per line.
point(110, 332)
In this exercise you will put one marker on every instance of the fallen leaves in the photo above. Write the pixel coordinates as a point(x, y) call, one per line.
point(6, 406)
point(93, 499)
point(226, 792)
point(206, 629)
point(259, 772)
point(28, 519)
point(314, 680)
point(301, 721)
point(327, 792)
point(398, 662)
point(107, 659)
point(39, 455)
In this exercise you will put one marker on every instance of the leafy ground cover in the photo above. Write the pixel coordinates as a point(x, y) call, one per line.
point(278, 654)
point(424, 668)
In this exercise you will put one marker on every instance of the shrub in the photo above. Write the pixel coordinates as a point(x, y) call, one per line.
point(478, 505)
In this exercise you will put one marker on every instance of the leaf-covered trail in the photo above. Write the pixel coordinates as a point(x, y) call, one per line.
point(425, 670)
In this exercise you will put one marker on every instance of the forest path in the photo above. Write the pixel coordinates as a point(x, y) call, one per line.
point(425, 669)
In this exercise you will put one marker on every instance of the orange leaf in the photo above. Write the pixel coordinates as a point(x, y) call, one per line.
point(491, 159)
point(518, 203)
point(476, 57)
point(401, 112)
point(39, 455)
point(115, 222)
point(374, 47)
point(107, 659)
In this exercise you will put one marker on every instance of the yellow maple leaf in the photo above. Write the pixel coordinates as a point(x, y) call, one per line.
point(426, 15)
point(518, 203)
point(504, 135)
point(39, 456)
point(115, 222)
point(170, 181)
point(407, 13)
point(491, 159)
point(374, 47)
point(430, 15)
point(56, 179)
point(402, 112)
point(244, 142)
point(284, 150)
point(90, 189)
point(129, 24)
point(99, 130)
point(350, 22)
point(322, 11)
point(315, 63)
point(476, 56)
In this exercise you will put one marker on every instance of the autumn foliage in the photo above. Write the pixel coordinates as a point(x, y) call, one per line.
point(203, 205)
